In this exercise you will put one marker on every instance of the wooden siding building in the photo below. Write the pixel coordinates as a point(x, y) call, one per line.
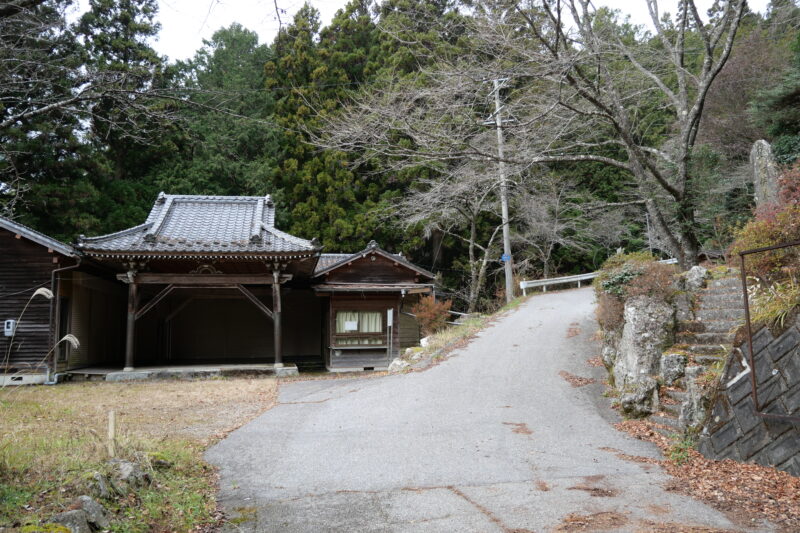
point(28, 261)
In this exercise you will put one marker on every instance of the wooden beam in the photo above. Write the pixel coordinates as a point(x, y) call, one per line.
point(276, 317)
point(154, 302)
point(131, 327)
point(258, 303)
point(180, 308)
point(230, 280)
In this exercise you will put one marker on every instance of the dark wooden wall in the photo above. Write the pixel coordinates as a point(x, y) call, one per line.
point(25, 266)
point(96, 318)
point(373, 268)
point(223, 327)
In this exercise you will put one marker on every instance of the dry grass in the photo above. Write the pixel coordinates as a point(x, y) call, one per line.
point(53, 438)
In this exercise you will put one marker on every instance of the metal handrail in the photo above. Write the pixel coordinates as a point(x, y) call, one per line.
point(749, 329)
point(524, 285)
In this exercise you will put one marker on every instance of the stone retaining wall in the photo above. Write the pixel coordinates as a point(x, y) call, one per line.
point(733, 430)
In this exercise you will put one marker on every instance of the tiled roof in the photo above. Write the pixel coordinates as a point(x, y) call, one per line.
point(214, 225)
point(35, 236)
point(327, 260)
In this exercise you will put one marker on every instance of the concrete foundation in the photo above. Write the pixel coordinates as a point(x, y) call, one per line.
point(183, 372)
point(22, 379)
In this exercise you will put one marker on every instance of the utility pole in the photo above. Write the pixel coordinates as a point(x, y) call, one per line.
point(501, 167)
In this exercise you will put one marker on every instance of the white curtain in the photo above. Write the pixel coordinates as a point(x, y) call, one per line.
point(346, 321)
point(370, 322)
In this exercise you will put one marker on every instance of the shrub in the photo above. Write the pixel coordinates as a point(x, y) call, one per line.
point(431, 314)
point(771, 226)
point(610, 311)
point(789, 183)
point(655, 281)
point(624, 276)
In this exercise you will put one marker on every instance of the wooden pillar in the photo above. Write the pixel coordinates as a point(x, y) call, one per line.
point(130, 330)
point(276, 316)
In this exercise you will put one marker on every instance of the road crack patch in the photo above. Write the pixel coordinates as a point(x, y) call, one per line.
point(520, 428)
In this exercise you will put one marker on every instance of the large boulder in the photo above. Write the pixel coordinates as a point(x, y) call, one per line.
point(764, 172)
point(641, 398)
point(649, 329)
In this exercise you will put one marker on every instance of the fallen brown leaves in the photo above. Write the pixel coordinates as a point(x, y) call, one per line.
point(603, 521)
point(575, 381)
point(574, 330)
point(595, 361)
point(748, 492)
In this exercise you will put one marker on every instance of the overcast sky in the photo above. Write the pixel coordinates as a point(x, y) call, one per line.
point(185, 23)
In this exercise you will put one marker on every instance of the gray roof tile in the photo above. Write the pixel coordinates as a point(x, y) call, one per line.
point(35, 236)
point(202, 224)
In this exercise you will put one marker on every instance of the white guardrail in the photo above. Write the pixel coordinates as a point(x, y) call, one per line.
point(544, 283)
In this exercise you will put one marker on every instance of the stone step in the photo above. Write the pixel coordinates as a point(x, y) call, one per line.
point(677, 395)
point(707, 360)
point(721, 326)
point(722, 301)
point(669, 433)
point(670, 422)
point(726, 283)
point(708, 349)
point(673, 409)
point(705, 338)
point(720, 314)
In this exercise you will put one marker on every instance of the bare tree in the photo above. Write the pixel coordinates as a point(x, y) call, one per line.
point(456, 202)
point(587, 88)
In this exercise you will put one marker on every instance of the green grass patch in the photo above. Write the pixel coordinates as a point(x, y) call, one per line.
point(678, 451)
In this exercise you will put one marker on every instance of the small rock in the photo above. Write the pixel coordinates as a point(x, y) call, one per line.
point(424, 341)
point(76, 520)
point(417, 356)
point(693, 410)
point(126, 475)
point(642, 400)
point(672, 367)
point(101, 486)
point(696, 278)
point(409, 352)
point(95, 513)
point(398, 365)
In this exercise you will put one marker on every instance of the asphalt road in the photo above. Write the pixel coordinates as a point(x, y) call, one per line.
point(492, 439)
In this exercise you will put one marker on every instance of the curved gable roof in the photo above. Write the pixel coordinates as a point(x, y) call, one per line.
point(203, 224)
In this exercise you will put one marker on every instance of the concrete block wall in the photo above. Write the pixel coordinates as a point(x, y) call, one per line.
point(733, 430)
